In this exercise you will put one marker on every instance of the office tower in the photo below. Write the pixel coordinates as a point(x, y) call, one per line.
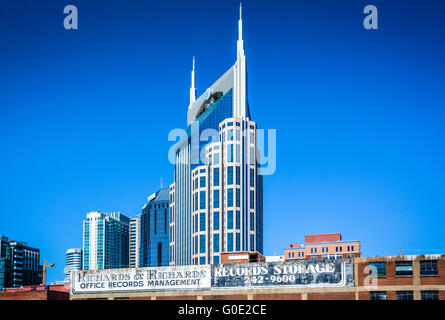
point(226, 98)
point(105, 241)
point(154, 230)
point(227, 199)
point(73, 261)
point(19, 264)
point(135, 241)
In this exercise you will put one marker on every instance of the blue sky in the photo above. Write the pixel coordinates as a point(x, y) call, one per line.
point(85, 114)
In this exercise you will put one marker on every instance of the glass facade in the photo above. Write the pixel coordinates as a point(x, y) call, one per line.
point(154, 247)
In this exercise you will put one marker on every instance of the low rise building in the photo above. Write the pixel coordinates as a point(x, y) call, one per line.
point(323, 246)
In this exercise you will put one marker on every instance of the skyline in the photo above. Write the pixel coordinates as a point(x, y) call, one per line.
point(357, 171)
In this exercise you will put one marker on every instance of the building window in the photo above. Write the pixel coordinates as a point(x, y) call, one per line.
point(252, 242)
point(252, 221)
point(216, 242)
point(238, 242)
point(252, 199)
point(216, 176)
point(230, 175)
point(202, 200)
point(230, 242)
point(216, 260)
point(216, 220)
point(202, 221)
point(429, 295)
point(238, 219)
point(238, 175)
point(379, 269)
point(252, 177)
point(230, 197)
point(404, 295)
point(404, 268)
point(202, 182)
point(216, 199)
point(428, 268)
point(377, 295)
point(238, 198)
point(230, 219)
point(202, 243)
point(202, 260)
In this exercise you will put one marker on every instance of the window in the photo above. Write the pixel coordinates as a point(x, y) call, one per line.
point(202, 221)
point(404, 268)
point(230, 197)
point(216, 220)
point(252, 199)
point(379, 269)
point(230, 175)
point(429, 295)
point(238, 197)
point(428, 267)
point(252, 177)
point(216, 177)
point(252, 221)
point(252, 242)
point(216, 199)
point(202, 182)
point(238, 220)
point(216, 260)
point(230, 242)
point(202, 200)
point(238, 242)
point(404, 295)
point(230, 219)
point(238, 175)
point(377, 295)
point(216, 242)
point(202, 260)
point(202, 243)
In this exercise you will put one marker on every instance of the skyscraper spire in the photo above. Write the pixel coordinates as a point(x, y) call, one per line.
point(240, 79)
point(192, 88)
point(240, 44)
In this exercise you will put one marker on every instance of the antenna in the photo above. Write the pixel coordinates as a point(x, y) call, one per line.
point(161, 183)
point(401, 252)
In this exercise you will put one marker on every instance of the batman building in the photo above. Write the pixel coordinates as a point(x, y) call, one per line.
point(216, 197)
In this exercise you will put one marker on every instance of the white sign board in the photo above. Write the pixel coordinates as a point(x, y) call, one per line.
point(141, 279)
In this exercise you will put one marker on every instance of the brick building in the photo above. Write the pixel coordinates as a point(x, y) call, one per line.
point(323, 246)
point(50, 292)
point(420, 277)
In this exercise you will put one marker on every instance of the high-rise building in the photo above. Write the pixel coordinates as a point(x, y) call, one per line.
point(105, 241)
point(206, 115)
point(154, 230)
point(19, 264)
point(227, 199)
point(73, 261)
point(135, 241)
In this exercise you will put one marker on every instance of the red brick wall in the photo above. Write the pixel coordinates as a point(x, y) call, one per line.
point(388, 280)
point(328, 237)
point(277, 296)
point(331, 296)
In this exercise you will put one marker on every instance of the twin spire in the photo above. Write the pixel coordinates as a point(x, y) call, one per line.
point(239, 51)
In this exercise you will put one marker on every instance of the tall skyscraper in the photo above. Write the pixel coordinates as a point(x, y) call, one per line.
point(135, 241)
point(105, 241)
point(154, 230)
point(19, 264)
point(227, 199)
point(225, 99)
point(73, 261)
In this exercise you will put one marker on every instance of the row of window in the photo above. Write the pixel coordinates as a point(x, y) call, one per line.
point(202, 199)
point(230, 220)
point(405, 295)
point(404, 268)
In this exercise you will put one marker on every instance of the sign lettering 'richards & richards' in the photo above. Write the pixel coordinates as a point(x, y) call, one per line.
point(323, 273)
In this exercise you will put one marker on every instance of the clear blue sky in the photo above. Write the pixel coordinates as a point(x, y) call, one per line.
point(85, 114)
